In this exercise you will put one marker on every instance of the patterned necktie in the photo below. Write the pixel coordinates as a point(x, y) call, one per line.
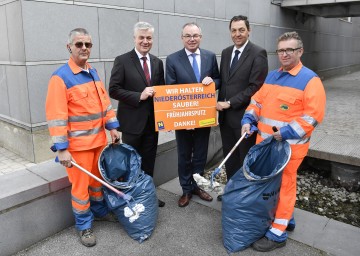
point(234, 60)
point(195, 67)
point(146, 71)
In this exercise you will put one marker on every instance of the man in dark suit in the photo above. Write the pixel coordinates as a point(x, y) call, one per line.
point(132, 79)
point(187, 66)
point(243, 69)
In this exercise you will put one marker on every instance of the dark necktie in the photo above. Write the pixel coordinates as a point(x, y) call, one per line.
point(234, 60)
point(146, 71)
point(195, 67)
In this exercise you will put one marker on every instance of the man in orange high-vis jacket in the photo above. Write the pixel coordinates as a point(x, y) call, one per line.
point(293, 100)
point(78, 110)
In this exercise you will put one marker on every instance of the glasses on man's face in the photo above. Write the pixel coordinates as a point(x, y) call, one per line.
point(287, 51)
point(81, 44)
point(188, 37)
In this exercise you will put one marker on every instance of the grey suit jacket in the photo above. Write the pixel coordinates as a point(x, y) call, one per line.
point(127, 81)
point(179, 69)
point(247, 77)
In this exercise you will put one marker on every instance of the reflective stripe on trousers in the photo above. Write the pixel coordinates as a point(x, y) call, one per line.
point(84, 207)
point(287, 197)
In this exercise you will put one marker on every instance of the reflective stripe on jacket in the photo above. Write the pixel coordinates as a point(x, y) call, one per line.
point(292, 101)
point(78, 108)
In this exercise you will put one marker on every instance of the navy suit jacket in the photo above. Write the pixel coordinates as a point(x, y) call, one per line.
point(179, 69)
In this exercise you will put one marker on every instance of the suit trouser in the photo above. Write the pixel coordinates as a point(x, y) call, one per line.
point(287, 198)
point(86, 193)
point(145, 144)
point(192, 147)
point(229, 137)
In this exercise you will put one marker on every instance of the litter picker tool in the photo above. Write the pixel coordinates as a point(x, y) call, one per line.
point(127, 198)
point(217, 170)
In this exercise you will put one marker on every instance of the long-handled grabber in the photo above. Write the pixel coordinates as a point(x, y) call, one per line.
point(124, 196)
point(218, 169)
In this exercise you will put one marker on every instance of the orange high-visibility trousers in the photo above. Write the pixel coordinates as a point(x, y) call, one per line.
point(85, 189)
point(287, 197)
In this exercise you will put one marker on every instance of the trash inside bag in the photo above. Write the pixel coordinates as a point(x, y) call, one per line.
point(133, 213)
point(250, 197)
point(139, 221)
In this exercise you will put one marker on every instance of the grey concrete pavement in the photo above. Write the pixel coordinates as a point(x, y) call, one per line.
point(337, 138)
point(11, 162)
point(194, 230)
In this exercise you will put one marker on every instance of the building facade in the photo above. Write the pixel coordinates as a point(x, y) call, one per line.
point(34, 34)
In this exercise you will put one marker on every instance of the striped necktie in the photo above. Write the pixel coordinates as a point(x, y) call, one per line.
point(146, 71)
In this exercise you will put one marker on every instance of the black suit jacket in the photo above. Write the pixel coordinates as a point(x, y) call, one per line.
point(247, 77)
point(127, 81)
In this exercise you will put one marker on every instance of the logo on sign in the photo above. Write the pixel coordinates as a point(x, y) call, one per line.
point(160, 125)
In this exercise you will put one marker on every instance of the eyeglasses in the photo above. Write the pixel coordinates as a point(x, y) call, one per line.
point(287, 51)
point(81, 44)
point(188, 37)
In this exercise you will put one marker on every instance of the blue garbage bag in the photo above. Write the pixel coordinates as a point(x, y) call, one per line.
point(116, 165)
point(133, 182)
point(251, 195)
point(120, 165)
point(144, 194)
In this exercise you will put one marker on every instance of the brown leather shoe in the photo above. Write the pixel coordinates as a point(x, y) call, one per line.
point(202, 194)
point(184, 200)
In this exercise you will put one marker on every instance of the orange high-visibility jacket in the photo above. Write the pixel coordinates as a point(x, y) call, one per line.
point(294, 102)
point(78, 109)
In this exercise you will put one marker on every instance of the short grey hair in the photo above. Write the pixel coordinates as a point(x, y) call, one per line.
point(291, 35)
point(191, 24)
point(142, 25)
point(75, 32)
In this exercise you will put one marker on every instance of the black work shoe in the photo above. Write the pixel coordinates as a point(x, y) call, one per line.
point(266, 245)
point(161, 203)
point(290, 227)
point(87, 237)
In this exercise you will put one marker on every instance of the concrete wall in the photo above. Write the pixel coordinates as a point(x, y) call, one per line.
point(35, 202)
point(34, 35)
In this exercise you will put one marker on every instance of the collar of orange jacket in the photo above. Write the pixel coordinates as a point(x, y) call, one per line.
point(295, 70)
point(75, 68)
